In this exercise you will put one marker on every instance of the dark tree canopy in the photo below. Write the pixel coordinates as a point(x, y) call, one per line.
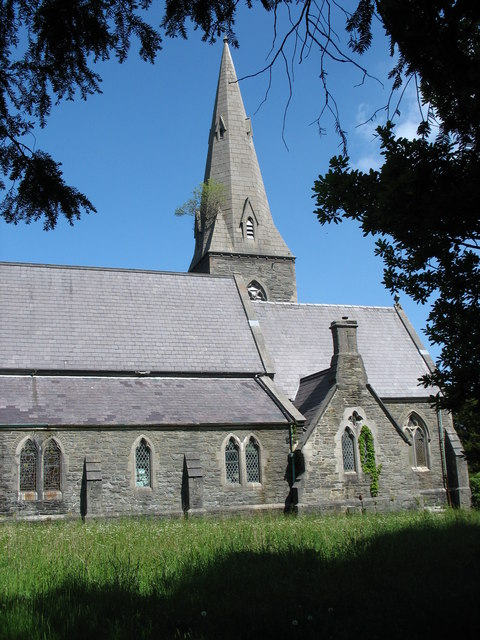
point(423, 203)
point(47, 52)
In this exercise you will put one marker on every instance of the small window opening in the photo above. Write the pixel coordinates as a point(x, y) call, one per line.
point(420, 448)
point(52, 467)
point(252, 460)
point(348, 451)
point(232, 465)
point(250, 229)
point(143, 465)
point(28, 467)
point(256, 291)
point(221, 128)
point(420, 444)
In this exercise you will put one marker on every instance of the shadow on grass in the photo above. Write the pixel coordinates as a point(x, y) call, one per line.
point(416, 584)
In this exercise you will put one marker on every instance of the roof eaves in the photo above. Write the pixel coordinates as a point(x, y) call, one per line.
point(317, 374)
point(127, 373)
point(388, 414)
point(415, 338)
point(283, 403)
point(146, 425)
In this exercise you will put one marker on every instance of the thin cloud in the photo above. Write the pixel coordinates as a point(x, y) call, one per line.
point(365, 140)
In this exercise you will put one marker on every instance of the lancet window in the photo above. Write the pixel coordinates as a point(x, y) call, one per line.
point(143, 465)
point(348, 451)
point(232, 462)
point(52, 460)
point(28, 467)
point(252, 460)
point(420, 441)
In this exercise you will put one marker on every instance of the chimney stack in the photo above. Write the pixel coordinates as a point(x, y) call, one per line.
point(347, 364)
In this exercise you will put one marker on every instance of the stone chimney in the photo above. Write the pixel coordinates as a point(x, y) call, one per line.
point(347, 368)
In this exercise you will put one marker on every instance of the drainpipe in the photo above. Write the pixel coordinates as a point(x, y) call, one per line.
point(291, 455)
point(442, 455)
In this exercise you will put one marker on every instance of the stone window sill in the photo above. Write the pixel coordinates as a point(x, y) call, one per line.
point(52, 495)
point(28, 496)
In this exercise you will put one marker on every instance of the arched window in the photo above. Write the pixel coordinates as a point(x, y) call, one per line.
point(256, 291)
point(420, 445)
point(232, 462)
point(348, 451)
point(52, 460)
point(420, 442)
point(252, 460)
point(250, 229)
point(28, 467)
point(143, 467)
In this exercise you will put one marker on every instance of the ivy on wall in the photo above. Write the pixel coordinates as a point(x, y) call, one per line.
point(367, 459)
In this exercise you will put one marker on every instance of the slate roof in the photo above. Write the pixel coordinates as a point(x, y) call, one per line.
point(103, 401)
point(299, 340)
point(74, 318)
point(311, 393)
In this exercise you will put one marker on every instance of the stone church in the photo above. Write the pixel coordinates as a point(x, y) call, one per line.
point(130, 392)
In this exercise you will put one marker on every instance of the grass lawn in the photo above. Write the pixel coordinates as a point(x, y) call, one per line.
point(407, 575)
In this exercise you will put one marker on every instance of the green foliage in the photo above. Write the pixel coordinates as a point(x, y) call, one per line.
point(468, 428)
point(422, 204)
point(206, 201)
point(367, 459)
point(47, 52)
point(196, 578)
point(475, 488)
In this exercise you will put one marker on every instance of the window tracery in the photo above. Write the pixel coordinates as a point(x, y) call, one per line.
point(143, 467)
point(28, 466)
point(420, 442)
point(52, 461)
point(252, 460)
point(348, 451)
point(232, 462)
point(256, 291)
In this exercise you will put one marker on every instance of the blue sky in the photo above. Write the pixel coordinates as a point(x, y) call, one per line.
point(138, 150)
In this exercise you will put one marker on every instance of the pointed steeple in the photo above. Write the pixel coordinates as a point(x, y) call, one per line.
point(241, 237)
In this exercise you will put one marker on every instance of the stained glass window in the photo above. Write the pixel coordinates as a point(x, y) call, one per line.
point(142, 465)
point(51, 467)
point(348, 451)
point(232, 466)
point(28, 467)
point(252, 460)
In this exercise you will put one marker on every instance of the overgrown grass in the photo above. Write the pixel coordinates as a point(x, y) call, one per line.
point(407, 575)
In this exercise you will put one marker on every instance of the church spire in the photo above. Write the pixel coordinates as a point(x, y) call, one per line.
point(241, 236)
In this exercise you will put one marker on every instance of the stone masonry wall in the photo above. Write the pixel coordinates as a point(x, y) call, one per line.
point(277, 276)
point(116, 493)
point(327, 485)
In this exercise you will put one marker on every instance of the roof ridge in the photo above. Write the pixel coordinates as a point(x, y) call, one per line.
point(324, 304)
point(113, 269)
